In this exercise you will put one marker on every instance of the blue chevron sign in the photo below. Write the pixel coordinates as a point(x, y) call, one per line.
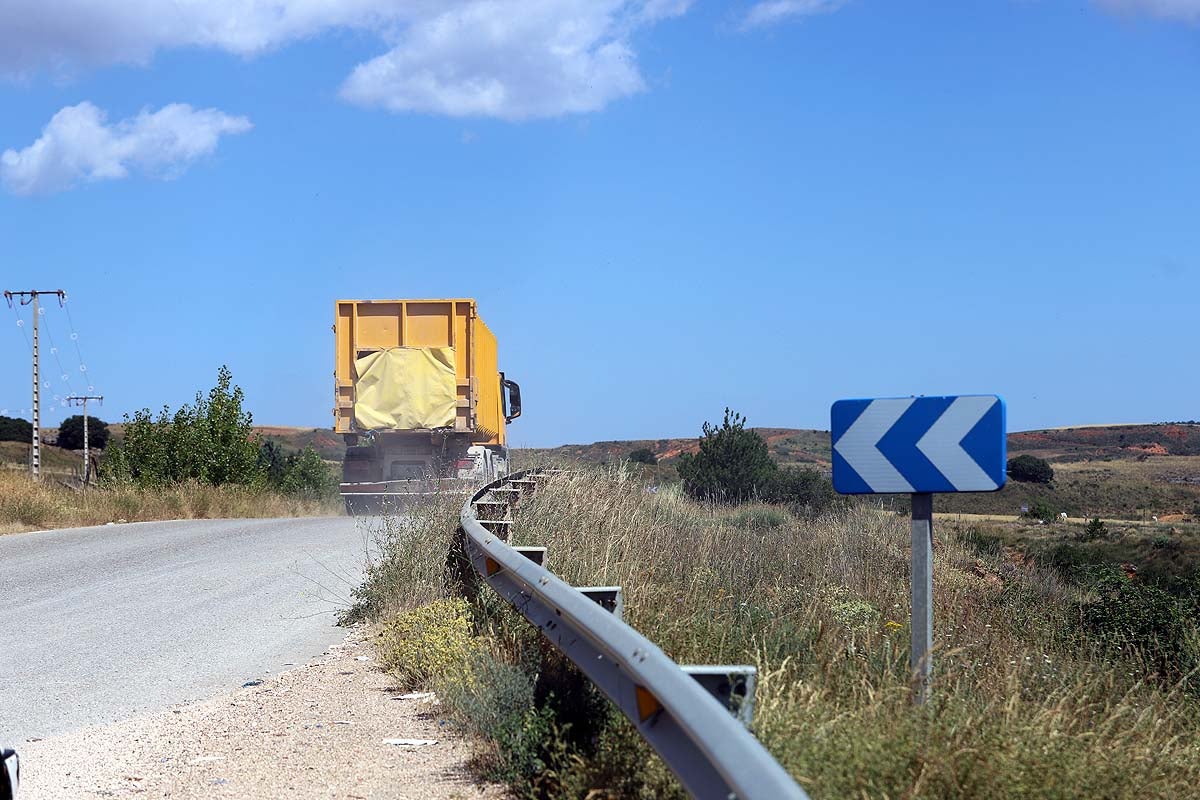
point(919, 444)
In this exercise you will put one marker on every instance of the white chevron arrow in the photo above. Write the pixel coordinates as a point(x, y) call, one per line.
point(857, 445)
point(942, 443)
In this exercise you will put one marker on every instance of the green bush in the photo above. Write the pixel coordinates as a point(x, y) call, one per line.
point(733, 464)
point(643, 455)
point(1040, 509)
point(429, 644)
point(210, 442)
point(70, 433)
point(15, 430)
point(307, 475)
point(497, 703)
point(1030, 469)
point(807, 491)
point(1096, 529)
point(1130, 616)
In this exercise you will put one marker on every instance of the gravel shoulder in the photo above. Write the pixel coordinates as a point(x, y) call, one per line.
point(316, 732)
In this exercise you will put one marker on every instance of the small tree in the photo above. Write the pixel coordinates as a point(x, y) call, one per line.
point(1096, 529)
point(308, 476)
point(211, 442)
point(805, 490)
point(733, 464)
point(15, 429)
point(643, 455)
point(1030, 469)
point(1041, 510)
point(70, 433)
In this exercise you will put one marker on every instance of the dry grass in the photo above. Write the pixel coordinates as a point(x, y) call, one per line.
point(1023, 706)
point(26, 505)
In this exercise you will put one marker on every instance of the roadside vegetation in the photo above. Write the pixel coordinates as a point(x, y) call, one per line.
point(202, 461)
point(26, 505)
point(1044, 686)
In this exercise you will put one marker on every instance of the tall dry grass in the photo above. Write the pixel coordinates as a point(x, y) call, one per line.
point(1022, 705)
point(27, 505)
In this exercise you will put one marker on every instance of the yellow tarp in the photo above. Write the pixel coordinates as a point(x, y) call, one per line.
point(405, 388)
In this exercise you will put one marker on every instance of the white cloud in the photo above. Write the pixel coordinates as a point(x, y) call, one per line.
point(511, 59)
point(78, 145)
point(1186, 10)
point(770, 12)
point(482, 59)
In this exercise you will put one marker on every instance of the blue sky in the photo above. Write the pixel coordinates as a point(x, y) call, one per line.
point(662, 207)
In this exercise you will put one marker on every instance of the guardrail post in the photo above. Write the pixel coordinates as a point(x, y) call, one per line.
point(535, 554)
point(733, 686)
point(607, 597)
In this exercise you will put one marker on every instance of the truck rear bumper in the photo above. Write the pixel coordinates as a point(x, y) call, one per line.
point(382, 497)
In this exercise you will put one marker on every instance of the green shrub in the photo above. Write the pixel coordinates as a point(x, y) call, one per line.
point(732, 465)
point(1030, 469)
point(1130, 616)
point(70, 433)
point(14, 429)
point(433, 642)
point(308, 476)
point(1040, 509)
point(1095, 529)
point(1165, 542)
point(643, 455)
point(807, 491)
point(495, 700)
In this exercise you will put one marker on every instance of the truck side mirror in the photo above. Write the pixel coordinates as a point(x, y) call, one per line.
point(511, 397)
point(10, 772)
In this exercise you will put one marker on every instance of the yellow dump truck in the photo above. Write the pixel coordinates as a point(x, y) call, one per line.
point(419, 397)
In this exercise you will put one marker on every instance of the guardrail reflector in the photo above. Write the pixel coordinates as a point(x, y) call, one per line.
point(492, 566)
point(647, 704)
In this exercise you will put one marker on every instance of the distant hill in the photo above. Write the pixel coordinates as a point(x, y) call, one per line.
point(812, 447)
point(797, 446)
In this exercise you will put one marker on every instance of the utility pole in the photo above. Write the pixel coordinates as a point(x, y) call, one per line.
point(82, 400)
point(35, 454)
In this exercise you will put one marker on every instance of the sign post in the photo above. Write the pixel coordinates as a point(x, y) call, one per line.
point(919, 446)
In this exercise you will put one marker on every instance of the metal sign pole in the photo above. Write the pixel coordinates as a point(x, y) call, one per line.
point(921, 660)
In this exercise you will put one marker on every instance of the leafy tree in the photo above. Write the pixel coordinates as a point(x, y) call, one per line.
point(210, 442)
point(1030, 469)
point(805, 490)
point(15, 429)
point(273, 460)
point(733, 464)
point(70, 433)
point(643, 455)
point(307, 475)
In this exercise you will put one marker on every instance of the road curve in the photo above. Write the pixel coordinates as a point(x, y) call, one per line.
point(98, 624)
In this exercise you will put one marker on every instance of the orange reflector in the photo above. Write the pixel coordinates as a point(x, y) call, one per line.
point(492, 567)
point(647, 703)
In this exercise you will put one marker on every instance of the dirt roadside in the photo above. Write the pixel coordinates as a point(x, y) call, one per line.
point(318, 731)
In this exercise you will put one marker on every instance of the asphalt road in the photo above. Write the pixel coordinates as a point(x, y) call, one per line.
point(98, 624)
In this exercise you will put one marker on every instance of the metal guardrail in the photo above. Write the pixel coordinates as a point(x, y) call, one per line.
point(683, 712)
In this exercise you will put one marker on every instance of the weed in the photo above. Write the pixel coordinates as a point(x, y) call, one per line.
point(433, 643)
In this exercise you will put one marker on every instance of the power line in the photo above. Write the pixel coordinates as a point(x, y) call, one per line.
point(83, 367)
point(54, 352)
